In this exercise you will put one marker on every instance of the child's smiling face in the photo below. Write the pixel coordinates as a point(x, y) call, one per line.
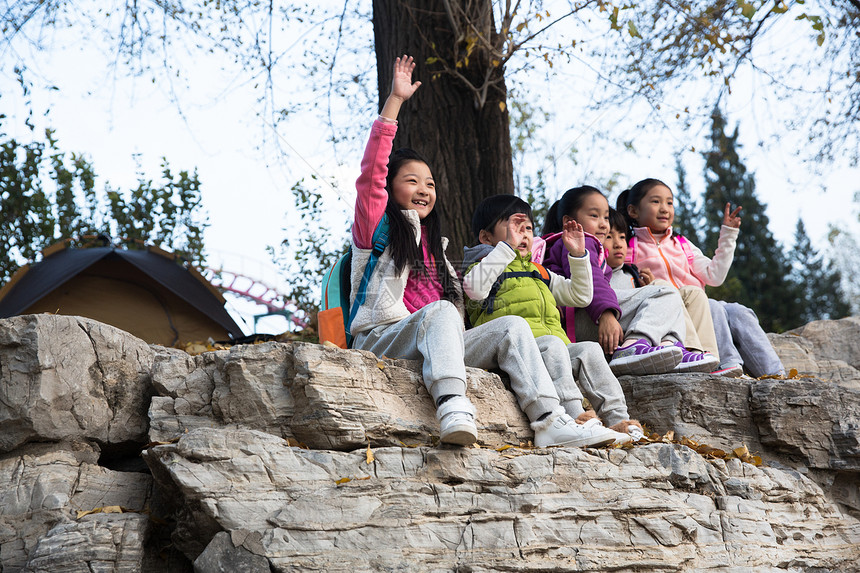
point(593, 215)
point(656, 210)
point(413, 188)
point(615, 245)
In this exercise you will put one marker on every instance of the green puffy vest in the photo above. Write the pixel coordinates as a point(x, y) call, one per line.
point(525, 296)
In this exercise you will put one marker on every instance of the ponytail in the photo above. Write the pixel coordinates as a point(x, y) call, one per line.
point(621, 207)
point(634, 196)
point(551, 223)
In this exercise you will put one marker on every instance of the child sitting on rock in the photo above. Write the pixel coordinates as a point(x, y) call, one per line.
point(501, 280)
point(697, 314)
point(649, 208)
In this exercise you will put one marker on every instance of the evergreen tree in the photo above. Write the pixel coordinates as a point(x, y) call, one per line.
point(759, 277)
point(688, 216)
point(817, 281)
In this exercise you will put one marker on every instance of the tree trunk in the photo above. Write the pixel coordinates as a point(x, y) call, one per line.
point(467, 145)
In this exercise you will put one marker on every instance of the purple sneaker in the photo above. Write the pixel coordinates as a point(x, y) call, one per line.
point(641, 358)
point(695, 361)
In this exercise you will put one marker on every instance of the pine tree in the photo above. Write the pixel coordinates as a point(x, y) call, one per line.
point(817, 281)
point(759, 277)
point(688, 216)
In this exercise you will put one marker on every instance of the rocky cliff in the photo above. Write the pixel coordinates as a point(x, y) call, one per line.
point(120, 456)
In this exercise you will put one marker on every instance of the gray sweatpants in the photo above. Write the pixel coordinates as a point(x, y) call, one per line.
point(742, 341)
point(435, 334)
point(588, 367)
point(652, 312)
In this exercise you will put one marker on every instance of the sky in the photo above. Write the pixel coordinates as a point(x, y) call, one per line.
point(118, 121)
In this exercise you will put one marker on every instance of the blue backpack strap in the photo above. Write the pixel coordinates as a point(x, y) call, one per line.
point(380, 241)
point(488, 304)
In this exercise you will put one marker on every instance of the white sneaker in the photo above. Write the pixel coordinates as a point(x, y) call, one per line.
point(733, 371)
point(635, 433)
point(457, 422)
point(559, 429)
point(620, 437)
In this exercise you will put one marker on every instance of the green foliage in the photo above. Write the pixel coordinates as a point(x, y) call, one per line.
point(688, 217)
point(526, 119)
point(47, 195)
point(817, 281)
point(845, 257)
point(760, 265)
point(310, 248)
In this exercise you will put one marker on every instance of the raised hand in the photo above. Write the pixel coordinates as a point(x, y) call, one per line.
point(402, 87)
point(516, 230)
point(573, 238)
point(731, 218)
point(401, 84)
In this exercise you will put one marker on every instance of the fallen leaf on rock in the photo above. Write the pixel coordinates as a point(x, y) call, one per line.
point(343, 481)
point(503, 448)
point(105, 509)
point(380, 364)
point(370, 457)
point(292, 442)
point(743, 454)
point(153, 444)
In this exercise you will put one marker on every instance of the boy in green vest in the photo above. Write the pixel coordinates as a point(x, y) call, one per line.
point(500, 279)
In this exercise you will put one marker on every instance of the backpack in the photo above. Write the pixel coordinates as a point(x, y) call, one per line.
point(682, 240)
point(336, 314)
point(540, 274)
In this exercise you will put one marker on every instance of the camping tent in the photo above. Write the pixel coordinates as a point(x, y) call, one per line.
point(148, 292)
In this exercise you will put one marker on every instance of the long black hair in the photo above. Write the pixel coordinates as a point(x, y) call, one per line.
point(634, 196)
point(404, 250)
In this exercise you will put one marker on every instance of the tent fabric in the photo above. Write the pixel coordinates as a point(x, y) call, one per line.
point(46, 276)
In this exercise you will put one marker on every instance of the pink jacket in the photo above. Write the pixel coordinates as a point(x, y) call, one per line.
point(666, 258)
point(370, 204)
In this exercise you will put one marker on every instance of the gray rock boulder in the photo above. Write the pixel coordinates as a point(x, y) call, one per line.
point(655, 507)
point(226, 482)
point(825, 349)
point(68, 378)
point(47, 485)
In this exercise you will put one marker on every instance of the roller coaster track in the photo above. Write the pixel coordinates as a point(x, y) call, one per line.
point(254, 290)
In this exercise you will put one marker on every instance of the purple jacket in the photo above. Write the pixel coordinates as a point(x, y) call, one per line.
point(604, 297)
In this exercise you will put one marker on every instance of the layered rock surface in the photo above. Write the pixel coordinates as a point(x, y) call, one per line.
point(295, 457)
